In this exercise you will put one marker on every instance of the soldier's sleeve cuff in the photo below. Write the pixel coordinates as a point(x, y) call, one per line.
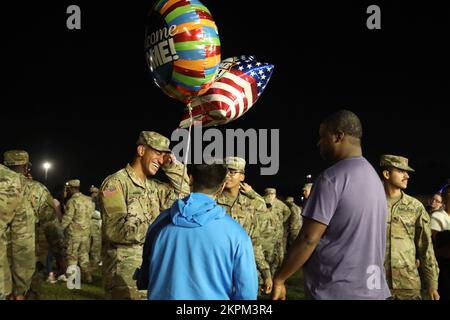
point(167, 166)
point(252, 194)
point(177, 165)
point(266, 274)
point(432, 284)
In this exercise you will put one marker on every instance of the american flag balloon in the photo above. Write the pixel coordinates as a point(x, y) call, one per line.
point(238, 85)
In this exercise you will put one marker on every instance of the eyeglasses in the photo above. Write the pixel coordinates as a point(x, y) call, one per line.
point(233, 173)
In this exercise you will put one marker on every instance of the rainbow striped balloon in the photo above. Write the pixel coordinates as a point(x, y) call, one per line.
point(182, 48)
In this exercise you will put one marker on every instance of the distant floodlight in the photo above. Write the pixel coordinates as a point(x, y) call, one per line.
point(46, 166)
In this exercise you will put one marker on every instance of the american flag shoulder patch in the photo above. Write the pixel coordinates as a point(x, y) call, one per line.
point(110, 191)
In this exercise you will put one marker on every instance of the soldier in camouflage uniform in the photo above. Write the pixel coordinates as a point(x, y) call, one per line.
point(295, 220)
point(47, 227)
point(15, 214)
point(270, 225)
point(284, 213)
point(95, 250)
point(244, 205)
point(130, 201)
point(76, 224)
point(94, 196)
point(306, 191)
point(408, 236)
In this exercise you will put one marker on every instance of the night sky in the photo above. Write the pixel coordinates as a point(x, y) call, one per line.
point(79, 98)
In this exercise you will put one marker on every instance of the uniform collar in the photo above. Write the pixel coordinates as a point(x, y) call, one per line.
point(76, 194)
point(132, 174)
point(229, 201)
point(404, 199)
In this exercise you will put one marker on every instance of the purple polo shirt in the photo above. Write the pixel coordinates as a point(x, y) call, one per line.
point(348, 262)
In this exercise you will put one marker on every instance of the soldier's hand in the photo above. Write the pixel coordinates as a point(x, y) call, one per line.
point(434, 294)
point(268, 284)
point(169, 158)
point(278, 291)
point(245, 187)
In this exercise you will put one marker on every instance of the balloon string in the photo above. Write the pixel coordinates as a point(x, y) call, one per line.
point(187, 149)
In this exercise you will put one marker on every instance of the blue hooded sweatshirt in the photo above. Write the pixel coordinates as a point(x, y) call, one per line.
point(198, 252)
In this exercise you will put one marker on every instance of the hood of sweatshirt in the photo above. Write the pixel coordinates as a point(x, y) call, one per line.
point(196, 210)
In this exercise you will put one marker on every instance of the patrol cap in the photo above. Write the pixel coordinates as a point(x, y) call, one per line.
point(15, 158)
point(154, 140)
point(307, 185)
point(290, 199)
point(235, 163)
point(270, 191)
point(389, 160)
point(73, 183)
point(93, 189)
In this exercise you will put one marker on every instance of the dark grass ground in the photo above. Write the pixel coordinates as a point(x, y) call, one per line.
point(94, 291)
point(59, 290)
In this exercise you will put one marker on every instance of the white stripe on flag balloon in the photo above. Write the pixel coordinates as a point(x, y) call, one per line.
point(221, 98)
point(244, 84)
point(237, 93)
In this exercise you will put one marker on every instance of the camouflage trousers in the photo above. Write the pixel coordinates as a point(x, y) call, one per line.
point(3, 265)
point(274, 254)
point(42, 250)
point(16, 272)
point(78, 251)
point(95, 252)
point(7, 259)
point(406, 294)
point(119, 264)
point(35, 284)
point(293, 234)
point(41, 246)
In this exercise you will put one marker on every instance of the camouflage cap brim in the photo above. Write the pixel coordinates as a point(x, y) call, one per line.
point(160, 149)
point(406, 168)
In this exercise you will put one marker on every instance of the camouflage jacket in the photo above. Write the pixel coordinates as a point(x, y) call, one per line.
point(244, 209)
point(41, 201)
point(11, 194)
point(77, 219)
point(409, 239)
point(129, 205)
point(96, 223)
point(45, 214)
point(295, 223)
point(284, 213)
point(17, 218)
point(269, 223)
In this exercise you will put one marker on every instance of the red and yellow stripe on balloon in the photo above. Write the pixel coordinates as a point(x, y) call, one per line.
point(183, 48)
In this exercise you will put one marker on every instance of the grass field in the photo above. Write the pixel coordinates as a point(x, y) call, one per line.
point(94, 291)
point(59, 291)
point(294, 287)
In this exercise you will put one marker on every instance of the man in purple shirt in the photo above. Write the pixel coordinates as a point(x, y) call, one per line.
point(342, 242)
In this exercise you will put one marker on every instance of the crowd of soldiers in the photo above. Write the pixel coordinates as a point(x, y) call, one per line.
point(34, 232)
point(116, 217)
